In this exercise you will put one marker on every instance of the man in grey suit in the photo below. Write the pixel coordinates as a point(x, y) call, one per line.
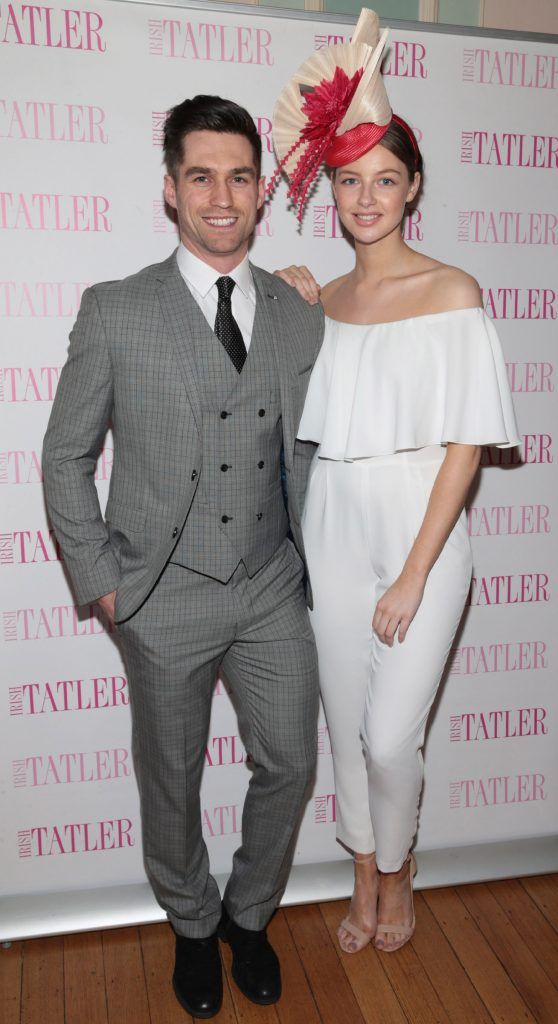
point(201, 364)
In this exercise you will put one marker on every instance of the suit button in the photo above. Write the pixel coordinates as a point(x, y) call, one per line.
point(224, 467)
point(259, 515)
point(224, 415)
point(175, 532)
point(261, 412)
point(261, 464)
point(194, 474)
point(225, 519)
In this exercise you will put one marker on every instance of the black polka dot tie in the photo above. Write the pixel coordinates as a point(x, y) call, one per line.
point(226, 327)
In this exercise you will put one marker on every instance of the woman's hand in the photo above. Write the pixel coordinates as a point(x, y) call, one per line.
point(397, 608)
point(304, 282)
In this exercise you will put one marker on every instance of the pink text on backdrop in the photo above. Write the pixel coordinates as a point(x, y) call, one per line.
point(507, 227)
point(325, 809)
point(224, 750)
point(520, 303)
point(497, 789)
point(40, 299)
point(54, 623)
point(210, 41)
point(39, 120)
point(512, 656)
point(19, 466)
point(29, 547)
point(503, 724)
point(324, 742)
point(535, 449)
point(487, 66)
point(76, 837)
point(530, 377)
point(509, 149)
point(49, 211)
point(88, 694)
point(515, 588)
point(507, 520)
point(223, 820)
point(66, 29)
point(28, 383)
point(405, 59)
point(69, 767)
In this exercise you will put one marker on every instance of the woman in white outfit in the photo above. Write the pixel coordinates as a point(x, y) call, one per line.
point(408, 386)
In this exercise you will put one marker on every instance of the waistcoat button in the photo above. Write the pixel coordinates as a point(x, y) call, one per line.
point(224, 415)
point(225, 519)
point(194, 474)
point(261, 412)
point(261, 464)
point(175, 531)
point(224, 467)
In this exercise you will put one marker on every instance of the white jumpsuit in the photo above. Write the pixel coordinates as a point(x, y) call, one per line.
point(382, 402)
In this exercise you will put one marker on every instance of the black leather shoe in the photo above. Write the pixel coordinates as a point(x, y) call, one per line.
point(255, 967)
point(197, 980)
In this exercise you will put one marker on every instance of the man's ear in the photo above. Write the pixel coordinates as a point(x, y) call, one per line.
point(169, 190)
point(261, 192)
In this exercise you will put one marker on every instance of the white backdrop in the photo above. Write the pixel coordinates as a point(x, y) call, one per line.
point(83, 100)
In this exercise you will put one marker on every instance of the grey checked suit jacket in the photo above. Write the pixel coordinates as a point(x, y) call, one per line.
point(131, 363)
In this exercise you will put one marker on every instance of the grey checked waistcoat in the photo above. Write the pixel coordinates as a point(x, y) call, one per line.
point(238, 513)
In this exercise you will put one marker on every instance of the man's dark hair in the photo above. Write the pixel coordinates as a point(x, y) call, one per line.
point(210, 114)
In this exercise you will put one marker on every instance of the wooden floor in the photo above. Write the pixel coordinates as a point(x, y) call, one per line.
point(481, 953)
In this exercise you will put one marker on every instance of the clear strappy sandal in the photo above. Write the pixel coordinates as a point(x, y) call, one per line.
point(362, 937)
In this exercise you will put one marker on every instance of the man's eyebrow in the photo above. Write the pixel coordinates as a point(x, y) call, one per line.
point(191, 171)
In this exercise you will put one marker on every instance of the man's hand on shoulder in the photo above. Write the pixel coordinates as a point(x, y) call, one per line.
point(304, 282)
point(107, 603)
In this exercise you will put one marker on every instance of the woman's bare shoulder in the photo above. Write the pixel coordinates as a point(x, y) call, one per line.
point(451, 288)
point(330, 289)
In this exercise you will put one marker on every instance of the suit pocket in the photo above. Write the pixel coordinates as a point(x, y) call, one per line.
point(125, 517)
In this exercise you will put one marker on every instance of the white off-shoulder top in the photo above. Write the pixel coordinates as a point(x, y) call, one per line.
point(377, 389)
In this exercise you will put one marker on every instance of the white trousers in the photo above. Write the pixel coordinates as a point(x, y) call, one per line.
point(359, 524)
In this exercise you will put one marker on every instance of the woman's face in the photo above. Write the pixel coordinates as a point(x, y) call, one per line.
point(371, 193)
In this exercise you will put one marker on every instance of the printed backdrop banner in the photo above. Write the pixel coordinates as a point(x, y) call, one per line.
point(83, 102)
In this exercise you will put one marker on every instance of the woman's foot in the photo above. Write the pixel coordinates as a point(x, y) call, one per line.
point(359, 927)
point(396, 915)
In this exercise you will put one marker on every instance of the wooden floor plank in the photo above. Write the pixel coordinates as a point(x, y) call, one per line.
point(373, 992)
point(527, 974)
point(246, 1011)
point(125, 979)
point(530, 922)
point(11, 968)
point(84, 979)
point(332, 992)
point(457, 994)
point(412, 986)
point(42, 992)
point(543, 889)
point(157, 949)
point(491, 981)
point(296, 1005)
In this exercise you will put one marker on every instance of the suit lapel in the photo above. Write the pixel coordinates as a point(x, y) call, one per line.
point(268, 319)
point(184, 322)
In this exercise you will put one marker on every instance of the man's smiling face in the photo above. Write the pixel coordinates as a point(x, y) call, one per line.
point(216, 195)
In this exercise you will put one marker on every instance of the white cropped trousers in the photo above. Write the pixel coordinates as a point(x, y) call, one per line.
point(360, 522)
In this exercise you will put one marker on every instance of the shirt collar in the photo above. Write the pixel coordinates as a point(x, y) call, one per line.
point(202, 277)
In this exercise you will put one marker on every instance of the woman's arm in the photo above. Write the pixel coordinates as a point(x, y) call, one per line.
point(397, 608)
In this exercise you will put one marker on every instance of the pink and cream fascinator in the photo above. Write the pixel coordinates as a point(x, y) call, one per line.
point(334, 109)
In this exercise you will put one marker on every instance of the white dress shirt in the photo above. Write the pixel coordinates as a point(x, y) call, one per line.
point(201, 278)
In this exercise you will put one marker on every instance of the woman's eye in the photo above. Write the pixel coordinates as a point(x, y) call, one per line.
point(348, 181)
point(387, 181)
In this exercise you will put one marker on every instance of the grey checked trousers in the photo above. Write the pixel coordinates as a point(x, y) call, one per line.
point(258, 632)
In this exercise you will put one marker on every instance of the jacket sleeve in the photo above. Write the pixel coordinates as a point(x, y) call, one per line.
point(73, 441)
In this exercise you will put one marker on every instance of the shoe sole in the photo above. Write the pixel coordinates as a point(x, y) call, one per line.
point(197, 1014)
